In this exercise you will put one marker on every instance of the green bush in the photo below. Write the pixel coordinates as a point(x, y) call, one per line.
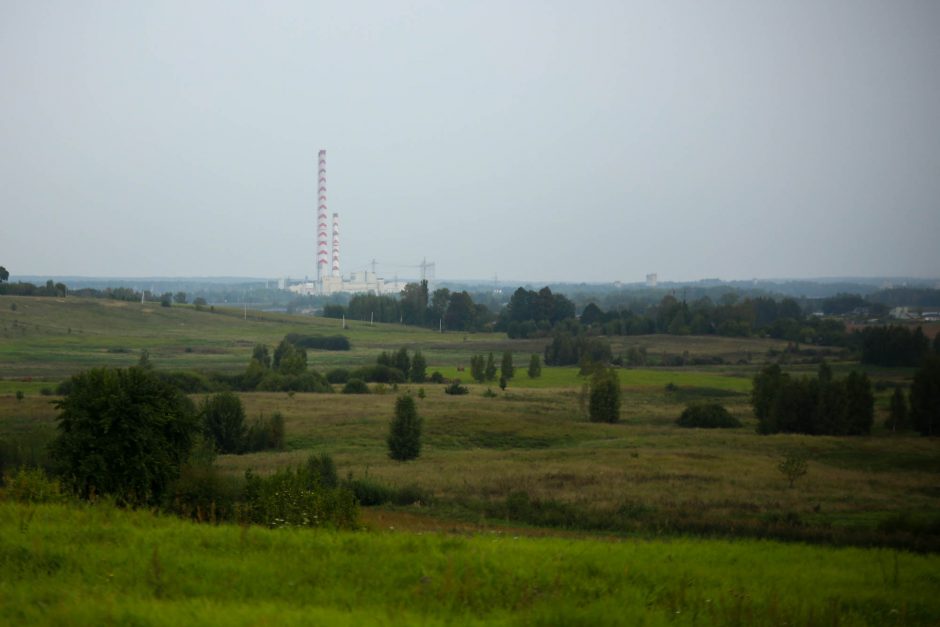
point(296, 498)
point(604, 399)
point(223, 422)
point(337, 375)
point(32, 485)
point(320, 342)
point(308, 381)
point(355, 386)
point(707, 416)
point(323, 468)
point(204, 494)
point(455, 389)
point(266, 434)
point(378, 373)
point(369, 493)
point(436, 377)
point(409, 495)
point(187, 381)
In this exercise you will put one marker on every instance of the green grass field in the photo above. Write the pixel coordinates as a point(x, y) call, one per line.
point(97, 565)
point(646, 488)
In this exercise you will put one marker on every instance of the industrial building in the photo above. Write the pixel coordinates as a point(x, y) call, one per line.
point(329, 279)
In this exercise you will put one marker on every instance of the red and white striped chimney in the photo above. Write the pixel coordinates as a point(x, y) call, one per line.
point(336, 272)
point(323, 251)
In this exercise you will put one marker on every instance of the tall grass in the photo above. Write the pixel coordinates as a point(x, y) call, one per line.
point(98, 565)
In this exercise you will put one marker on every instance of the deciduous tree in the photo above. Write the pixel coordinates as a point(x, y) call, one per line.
point(604, 403)
point(123, 432)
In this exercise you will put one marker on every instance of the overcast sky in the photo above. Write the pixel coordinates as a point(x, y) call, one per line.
point(577, 141)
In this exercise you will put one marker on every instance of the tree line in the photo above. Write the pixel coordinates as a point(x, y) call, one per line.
point(443, 309)
point(895, 345)
point(820, 405)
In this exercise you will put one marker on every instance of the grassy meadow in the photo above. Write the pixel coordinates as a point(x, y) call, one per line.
point(647, 523)
point(71, 564)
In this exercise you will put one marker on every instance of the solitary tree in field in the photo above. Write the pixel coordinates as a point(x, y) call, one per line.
point(490, 371)
point(506, 369)
point(604, 403)
point(289, 359)
point(419, 367)
point(4, 275)
point(535, 367)
point(793, 467)
point(180, 298)
point(404, 438)
point(402, 361)
point(898, 416)
point(476, 368)
point(223, 422)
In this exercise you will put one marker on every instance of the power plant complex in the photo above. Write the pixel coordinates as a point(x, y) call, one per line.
point(329, 279)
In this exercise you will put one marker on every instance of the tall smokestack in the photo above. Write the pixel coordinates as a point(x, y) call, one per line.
point(336, 272)
point(323, 253)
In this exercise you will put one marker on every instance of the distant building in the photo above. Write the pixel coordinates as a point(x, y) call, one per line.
point(652, 280)
point(362, 282)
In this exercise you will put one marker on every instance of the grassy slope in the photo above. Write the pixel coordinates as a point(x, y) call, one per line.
point(97, 565)
point(532, 438)
point(92, 566)
point(48, 338)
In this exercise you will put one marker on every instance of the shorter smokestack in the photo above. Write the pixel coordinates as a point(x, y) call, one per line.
point(336, 272)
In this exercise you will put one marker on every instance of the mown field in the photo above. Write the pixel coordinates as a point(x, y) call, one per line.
point(97, 565)
point(525, 462)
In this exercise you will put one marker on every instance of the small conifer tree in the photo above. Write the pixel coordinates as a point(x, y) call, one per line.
point(404, 438)
point(535, 367)
point(490, 371)
point(506, 369)
point(898, 417)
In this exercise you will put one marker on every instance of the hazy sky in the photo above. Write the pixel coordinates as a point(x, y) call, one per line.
point(543, 140)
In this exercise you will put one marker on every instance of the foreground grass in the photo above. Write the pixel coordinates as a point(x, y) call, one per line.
point(71, 564)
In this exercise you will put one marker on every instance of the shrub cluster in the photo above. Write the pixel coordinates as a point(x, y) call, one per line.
point(356, 386)
point(404, 366)
point(319, 342)
point(569, 349)
point(455, 389)
point(297, 498)
point(707, 416)
point(223, 424)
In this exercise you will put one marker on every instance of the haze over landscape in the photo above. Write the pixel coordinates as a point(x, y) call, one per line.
point(538, 140)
